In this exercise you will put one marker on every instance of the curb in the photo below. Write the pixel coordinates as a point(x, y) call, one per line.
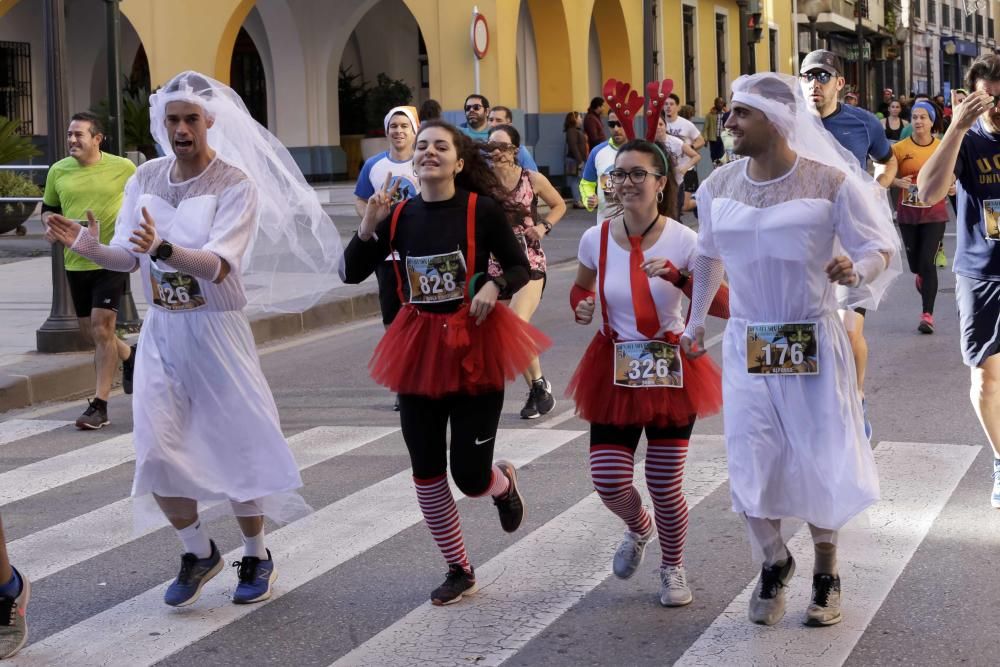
point(52, 377)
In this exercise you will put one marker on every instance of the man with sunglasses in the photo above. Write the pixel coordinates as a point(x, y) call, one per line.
point(595, 184)
point(500, 115)
point(476, 126)
point(969, 153)
point(861, 133)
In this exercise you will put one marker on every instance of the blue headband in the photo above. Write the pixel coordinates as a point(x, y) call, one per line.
point(926, 106)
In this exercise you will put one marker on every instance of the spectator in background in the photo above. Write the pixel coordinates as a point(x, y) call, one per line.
point(887, 98)
point(500, 115)
point(476, 126)
point(593, 123)
point(892, 123)
point(429, 110)
point(851, 98)
point(686, 112)
point(576, 154)
point(714, 119)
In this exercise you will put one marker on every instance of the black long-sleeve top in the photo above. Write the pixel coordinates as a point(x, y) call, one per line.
point(431, 228)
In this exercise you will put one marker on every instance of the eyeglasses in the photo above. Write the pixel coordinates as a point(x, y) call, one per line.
point(823, 77)
point(473, 107)
point(637, 176)
point(500, 146)
point(613, 124)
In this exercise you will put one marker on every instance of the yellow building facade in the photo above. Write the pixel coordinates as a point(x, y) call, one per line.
point(545, 57)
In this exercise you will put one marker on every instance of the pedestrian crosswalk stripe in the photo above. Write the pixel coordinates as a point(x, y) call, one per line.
point(65, 544)
point(530, 585)
point(916, 481)
point(145, 631)
point(13, 430)
point(53, 472)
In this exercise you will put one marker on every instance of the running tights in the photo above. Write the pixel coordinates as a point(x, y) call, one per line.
point(474, 421)
point(612, 459)
point(921, 242)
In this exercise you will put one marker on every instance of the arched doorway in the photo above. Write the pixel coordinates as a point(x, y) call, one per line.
point(247, 76)
point(527, 62)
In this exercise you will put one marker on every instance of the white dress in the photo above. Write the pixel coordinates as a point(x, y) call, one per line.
point(796, 444)
point(206, 425)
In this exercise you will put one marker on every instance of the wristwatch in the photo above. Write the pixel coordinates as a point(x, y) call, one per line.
point(163, 251)
point(546, 224)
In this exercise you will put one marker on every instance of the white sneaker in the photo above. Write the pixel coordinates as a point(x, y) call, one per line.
point(628, 558)
point(824, 608)
point(674, 591)
point(767, 604)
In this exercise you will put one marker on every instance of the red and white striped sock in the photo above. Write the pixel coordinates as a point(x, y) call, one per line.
point(611, 471)
point(441, 516)
point(499, 484)
point(665, 480)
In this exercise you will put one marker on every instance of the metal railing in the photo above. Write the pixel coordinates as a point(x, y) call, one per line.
point(22, 167)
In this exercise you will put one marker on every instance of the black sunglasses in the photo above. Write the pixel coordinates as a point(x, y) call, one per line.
point(473, 107)
point(614, 123)
point(823, 77)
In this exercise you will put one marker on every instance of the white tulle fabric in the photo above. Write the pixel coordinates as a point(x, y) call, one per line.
point(292, 260)
point(807, 137)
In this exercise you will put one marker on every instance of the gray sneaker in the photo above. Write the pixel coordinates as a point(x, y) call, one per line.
point(767, 605)
point(94, 417)
point(674, 591)
point(824, 609)
point(628, 558)
point(13, 626)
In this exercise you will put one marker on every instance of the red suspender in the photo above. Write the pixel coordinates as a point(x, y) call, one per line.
point(392, 251)
point(470, 239)
point(601, 266)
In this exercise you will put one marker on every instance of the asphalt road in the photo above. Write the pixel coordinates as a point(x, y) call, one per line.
point(919, 578)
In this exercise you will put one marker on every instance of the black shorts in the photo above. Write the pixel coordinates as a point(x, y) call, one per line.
point(98, 288)
point(978, 317)
point(533, 274)
point(388, 297)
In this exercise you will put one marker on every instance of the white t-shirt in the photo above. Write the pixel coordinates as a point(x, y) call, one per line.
point(603, 158)
point(675, 147)
point(683, 129)
point(676, 243)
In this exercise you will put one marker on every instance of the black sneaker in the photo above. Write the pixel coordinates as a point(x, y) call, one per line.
point(510, 505)
point(456, 584)
point(530, 409)
point(824, 609)
point(194, 574)
point(95, 416)
point(128, 371)
point(543, 396)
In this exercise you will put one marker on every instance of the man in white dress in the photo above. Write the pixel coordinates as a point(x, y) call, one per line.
point(776, 224)
point(206, 424)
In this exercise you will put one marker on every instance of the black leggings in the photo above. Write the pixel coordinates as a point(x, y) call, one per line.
point(474, 422)
point(628, 436)
point(921, 242)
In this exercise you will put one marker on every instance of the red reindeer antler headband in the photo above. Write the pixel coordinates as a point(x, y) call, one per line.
point(626, 104)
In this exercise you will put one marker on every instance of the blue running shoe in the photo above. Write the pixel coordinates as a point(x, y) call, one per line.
point(995, 498)
point(868, 424)
point(256, 576)
point(195, 573)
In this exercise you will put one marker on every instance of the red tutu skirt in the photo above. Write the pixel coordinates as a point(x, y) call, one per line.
point(600, 401)
point(436, 354)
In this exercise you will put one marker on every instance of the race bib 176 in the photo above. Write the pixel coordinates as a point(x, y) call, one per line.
point(648, 363)
point(783, 349)
point(436, 278)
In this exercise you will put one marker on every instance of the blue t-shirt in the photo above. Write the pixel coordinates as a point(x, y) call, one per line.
point(860, 132)
point(978, 188)
point(372, 177)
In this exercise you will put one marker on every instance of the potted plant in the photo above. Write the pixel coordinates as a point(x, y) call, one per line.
point(384, 95)
point(14, 146)
point(135, 119)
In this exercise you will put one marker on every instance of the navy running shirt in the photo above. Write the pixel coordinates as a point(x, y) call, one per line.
point(978, 188)
point(860, 132)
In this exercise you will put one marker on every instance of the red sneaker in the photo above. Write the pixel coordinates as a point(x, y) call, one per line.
point(926, 324)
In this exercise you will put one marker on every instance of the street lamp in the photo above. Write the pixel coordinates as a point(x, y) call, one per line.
point(812, 8)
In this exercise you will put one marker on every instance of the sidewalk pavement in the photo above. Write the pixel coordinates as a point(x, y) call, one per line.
point(28, 377)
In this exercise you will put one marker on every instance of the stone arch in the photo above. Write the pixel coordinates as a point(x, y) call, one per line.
point(613, 40)
point(555, 83)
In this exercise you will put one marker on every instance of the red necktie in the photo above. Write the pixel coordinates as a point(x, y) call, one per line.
point(642, 297)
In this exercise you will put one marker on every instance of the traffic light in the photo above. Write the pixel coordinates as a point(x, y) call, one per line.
point(755, 28)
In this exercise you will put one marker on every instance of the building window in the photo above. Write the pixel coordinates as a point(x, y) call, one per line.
point(958, 18)
point(916, 8)
point(979, 24)
point(15, 84)
point(690, 60)
point(989, 24)
point(968, 23)
point(945, 16)
point(721, 77)
point(425, 73)
point(247, 76)
point(772, 44)
point(932, 11)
